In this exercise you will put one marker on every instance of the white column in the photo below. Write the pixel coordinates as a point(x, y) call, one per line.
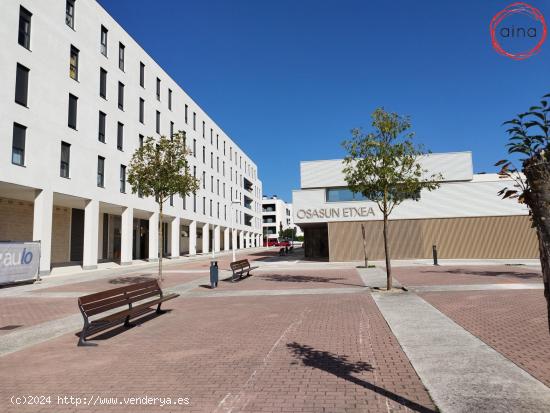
point(193, 238)
point(241, 239)
point(175, 237)
point(217, 238)
point(226, 239)
point(91, 234)
point(205, 238)
point(42, 228)
point(126, 236)
point(234, 235)
point(154, 237)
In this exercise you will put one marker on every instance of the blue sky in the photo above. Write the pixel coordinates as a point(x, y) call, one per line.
point(288, 79)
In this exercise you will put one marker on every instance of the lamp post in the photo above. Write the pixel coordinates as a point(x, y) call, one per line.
point(233, 239)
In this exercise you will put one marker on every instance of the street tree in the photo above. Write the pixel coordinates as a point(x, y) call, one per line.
point(529, 141)
point(384, 166)
point(160, 169)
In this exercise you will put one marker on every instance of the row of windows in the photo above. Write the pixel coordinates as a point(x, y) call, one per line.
point(22, 81)
point(346, 195)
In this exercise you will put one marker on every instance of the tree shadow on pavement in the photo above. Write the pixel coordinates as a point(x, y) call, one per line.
point(488, 273)
point(304, 279)
point(130, 280)
point(341, 367)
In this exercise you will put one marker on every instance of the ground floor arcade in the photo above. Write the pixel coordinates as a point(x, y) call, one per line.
point(77, 231)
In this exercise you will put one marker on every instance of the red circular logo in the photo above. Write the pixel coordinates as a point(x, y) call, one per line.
point(524, 9)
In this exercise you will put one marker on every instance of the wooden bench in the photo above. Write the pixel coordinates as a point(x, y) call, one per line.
point(130, 297)
point(239, 268)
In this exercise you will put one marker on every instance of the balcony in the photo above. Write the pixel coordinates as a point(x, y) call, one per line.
point(248, 185)
point(247, 202)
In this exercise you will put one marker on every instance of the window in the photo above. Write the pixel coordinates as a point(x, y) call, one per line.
point(73, 101)
point(203, 154)
point(203, 128)
point(141, 110)
point(217, 141)
point(18, 144)
point(24, 37)
point(211, 160)
point(194, 121)
point(103, 46)
point(171, 130)
point(195, 148)
point(194, 203)
point(343, 195)
point(21, 85)
point(120, 136)
point(69, 13)
point(211, 137)
point(120, 95)
point(204, 205)
point(65, 160)
point(210, 207)
point(158, 89)
point(101, 171)
point(101, 133)
point(73, 63)
point(121, 49)
point(170, 99)
point(186, 110)
point(123, 179)
point(141, 137)
point(142, 74)
point(103, 83)
point(158, 122)
point(203, 180)
point(212, 183)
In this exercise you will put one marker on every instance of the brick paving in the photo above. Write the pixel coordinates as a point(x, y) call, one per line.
point(512, 322)
point(288, 278)
point(449, 275)
point(22, 312)
point(295, 353)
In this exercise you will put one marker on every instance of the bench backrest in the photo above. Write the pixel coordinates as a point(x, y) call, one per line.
point(117, 297)
point(237, 265)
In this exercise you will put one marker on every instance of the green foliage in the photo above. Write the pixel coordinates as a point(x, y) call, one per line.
point(289, 233)
point(529, 138)
point(160, 169)
point(383, 164)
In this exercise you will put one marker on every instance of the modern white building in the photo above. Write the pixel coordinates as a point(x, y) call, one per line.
point(78, 96)
point(277, 215)
point(464, 218)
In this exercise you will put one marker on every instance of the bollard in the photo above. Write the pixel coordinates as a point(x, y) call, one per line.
point(434, 253)
point(213, 274)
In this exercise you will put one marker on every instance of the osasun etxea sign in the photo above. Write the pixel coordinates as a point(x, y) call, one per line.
point(19, 261)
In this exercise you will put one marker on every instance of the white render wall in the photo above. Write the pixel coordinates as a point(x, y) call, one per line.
point(454, 166)
point(475, 198)
point(47, 113)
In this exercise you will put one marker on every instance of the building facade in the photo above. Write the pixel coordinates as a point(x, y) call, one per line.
point(464, 217)
point(79, 96)
point(276, 215)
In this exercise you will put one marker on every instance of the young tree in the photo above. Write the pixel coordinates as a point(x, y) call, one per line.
point(383, 165)
point(160, 169)
point(529, 136)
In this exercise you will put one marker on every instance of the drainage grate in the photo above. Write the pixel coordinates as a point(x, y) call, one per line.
point(10, 327)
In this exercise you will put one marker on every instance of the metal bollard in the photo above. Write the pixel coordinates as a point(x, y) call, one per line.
point(213, 274)
point(434, 253)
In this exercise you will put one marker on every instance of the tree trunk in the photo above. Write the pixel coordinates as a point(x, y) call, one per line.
point(387, 253)
point(538, 199)
point(161, 241)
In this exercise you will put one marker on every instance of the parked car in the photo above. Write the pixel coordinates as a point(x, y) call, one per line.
point(271, 242)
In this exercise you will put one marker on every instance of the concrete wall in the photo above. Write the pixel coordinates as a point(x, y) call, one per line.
point(476, 237)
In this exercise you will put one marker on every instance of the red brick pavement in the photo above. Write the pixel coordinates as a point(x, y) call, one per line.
point(512, 322)
point(25, 312)
point(448, 275)
point(285, 279)
point(313, 353)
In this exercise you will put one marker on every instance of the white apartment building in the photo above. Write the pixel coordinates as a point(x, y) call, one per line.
point(277, 215)
point(465, 217)
point(78, 97)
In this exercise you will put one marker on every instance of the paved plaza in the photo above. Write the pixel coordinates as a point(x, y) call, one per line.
point(296, 336)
